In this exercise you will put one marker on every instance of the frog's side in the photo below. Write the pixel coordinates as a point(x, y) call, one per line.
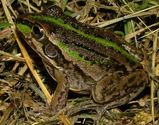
point(105, 86)
point(110, 78)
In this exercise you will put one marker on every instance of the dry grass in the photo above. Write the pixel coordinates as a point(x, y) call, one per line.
point(21, 100)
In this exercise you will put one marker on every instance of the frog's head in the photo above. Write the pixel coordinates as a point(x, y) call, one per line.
point(39, 37)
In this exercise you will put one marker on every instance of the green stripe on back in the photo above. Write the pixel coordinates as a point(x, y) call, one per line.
point(72, 53)
point(98, 40)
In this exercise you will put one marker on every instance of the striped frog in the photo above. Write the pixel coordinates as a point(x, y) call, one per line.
point(84, 59)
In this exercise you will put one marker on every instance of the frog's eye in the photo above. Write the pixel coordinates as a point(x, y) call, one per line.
point(38, 32)
point(50, 51)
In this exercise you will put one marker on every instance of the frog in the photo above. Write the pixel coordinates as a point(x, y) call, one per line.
point(84, 59)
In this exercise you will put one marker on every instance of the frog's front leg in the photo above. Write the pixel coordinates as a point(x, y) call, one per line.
point(60, 95)
point(118, 89)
